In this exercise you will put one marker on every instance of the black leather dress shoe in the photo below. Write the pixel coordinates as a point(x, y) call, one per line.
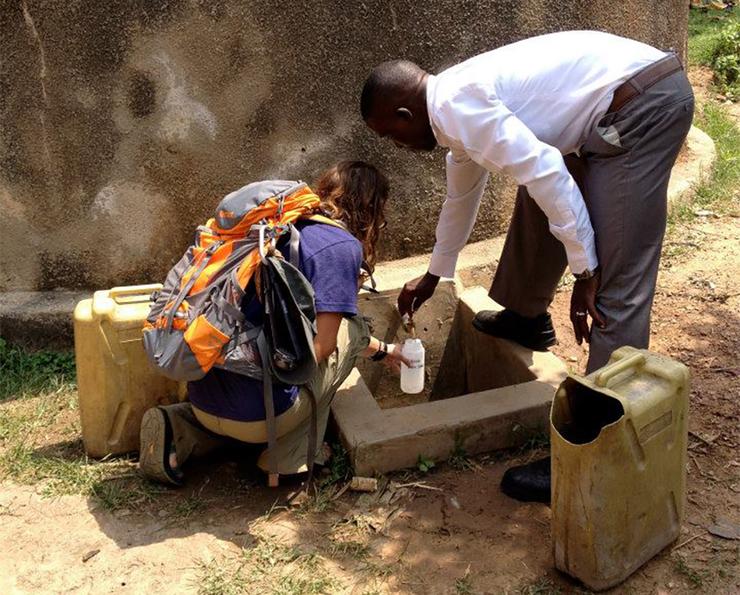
point(533, 333)
point(528, 483)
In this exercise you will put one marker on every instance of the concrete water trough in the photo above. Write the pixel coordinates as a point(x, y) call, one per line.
point(481, 393)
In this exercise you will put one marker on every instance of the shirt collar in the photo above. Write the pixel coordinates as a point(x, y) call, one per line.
point(431, 111)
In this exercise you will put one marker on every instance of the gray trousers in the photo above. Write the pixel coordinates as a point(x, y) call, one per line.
point(623, 171)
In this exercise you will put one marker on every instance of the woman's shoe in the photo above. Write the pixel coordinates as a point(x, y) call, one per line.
point(155, 446)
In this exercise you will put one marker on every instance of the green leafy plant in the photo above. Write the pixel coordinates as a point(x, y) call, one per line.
point(339, 467)
point(424, 464)
point(726, 60)
point(704, 33)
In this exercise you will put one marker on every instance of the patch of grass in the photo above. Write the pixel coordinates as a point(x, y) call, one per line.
point(459, 458)
point(62, 468)
point(463, 585)
point(352, 549)
point(217, 578)
point(317, 499)
point(186, 508)
point(320, 495)
point(379, 571)
point(533, 438)
point(542, 586)
point(340, 467)
point(118, 493)
point(28, 373)
point(704, 34)
point(721, 190)
point(115, 484)
point(695, 578)
point(267, 567)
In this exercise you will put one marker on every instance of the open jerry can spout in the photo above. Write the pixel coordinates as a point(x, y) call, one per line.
point(619, 439)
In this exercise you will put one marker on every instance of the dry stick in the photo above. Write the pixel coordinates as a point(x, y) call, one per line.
point(698, 466)
point(689, 244)
point(341, 491)
point(689, 540)
point(419, 485)
point(704, 440)
point(732, 370)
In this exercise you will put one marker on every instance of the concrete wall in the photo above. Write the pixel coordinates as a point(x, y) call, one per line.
point(123, 122)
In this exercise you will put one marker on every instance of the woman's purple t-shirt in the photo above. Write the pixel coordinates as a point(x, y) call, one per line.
point(330, 258)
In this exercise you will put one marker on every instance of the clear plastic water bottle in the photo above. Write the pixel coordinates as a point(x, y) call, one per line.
point(412, 376)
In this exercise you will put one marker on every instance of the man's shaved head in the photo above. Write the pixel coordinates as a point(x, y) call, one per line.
point(393, 104)
point(388, 80)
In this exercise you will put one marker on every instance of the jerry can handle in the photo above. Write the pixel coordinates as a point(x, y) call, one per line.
point(144, 290)
point(633, 361)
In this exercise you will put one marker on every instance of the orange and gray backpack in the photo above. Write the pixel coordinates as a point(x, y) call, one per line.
point(196, 322)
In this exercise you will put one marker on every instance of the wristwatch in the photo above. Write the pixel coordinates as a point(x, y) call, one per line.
point(587, 274)
point(381, 353)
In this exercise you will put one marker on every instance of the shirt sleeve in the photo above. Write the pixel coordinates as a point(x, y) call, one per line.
point(334, 272)
point(465, 183)
point(494, 138)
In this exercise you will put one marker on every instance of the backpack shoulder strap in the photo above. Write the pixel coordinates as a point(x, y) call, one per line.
point(327, 220)
point(295, 235)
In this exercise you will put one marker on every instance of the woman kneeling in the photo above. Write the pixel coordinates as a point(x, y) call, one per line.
point(225, 405)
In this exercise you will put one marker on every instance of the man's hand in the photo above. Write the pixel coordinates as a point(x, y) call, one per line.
point(583, 304)
point(416, 292)
point(395, 358)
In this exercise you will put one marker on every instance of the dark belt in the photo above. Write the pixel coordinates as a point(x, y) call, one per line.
point(642, 80)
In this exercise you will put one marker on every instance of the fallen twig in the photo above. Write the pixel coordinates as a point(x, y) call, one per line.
point(698, 466)
point(341, 491)
point(423, 486)
point(707, 441)
point(689, 540)
point(89, 555)
point(689, 244)
point(730, 370)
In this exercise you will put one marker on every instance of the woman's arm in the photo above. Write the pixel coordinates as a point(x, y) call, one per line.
point(393, 356)
point(327, 327)
point(325, 342)
point(372, 348)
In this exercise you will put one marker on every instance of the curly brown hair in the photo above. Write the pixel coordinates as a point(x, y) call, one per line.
point(355, 193)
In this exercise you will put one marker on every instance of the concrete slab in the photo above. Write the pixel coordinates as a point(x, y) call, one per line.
point(694, 163)
point(383, 440)
point(39, 319)
point(508, 390)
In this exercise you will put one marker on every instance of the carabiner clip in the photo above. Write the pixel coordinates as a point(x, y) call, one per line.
point(263, 242)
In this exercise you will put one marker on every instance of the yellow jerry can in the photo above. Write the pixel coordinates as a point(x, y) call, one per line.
point(115, 381)
point(618, 439)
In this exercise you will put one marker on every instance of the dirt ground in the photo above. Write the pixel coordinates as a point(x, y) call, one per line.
point(448, 531)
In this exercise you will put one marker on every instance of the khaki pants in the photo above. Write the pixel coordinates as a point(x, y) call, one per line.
point(196, 433)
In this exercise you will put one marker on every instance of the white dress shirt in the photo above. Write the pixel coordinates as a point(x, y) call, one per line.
point(519, 109)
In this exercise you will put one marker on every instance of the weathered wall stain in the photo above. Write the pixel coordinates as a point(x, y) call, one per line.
point(122, 123)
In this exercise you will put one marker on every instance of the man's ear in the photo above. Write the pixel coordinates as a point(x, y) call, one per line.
point(404, 113)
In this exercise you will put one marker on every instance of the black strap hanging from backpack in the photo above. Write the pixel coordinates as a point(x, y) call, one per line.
point(286, 344)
